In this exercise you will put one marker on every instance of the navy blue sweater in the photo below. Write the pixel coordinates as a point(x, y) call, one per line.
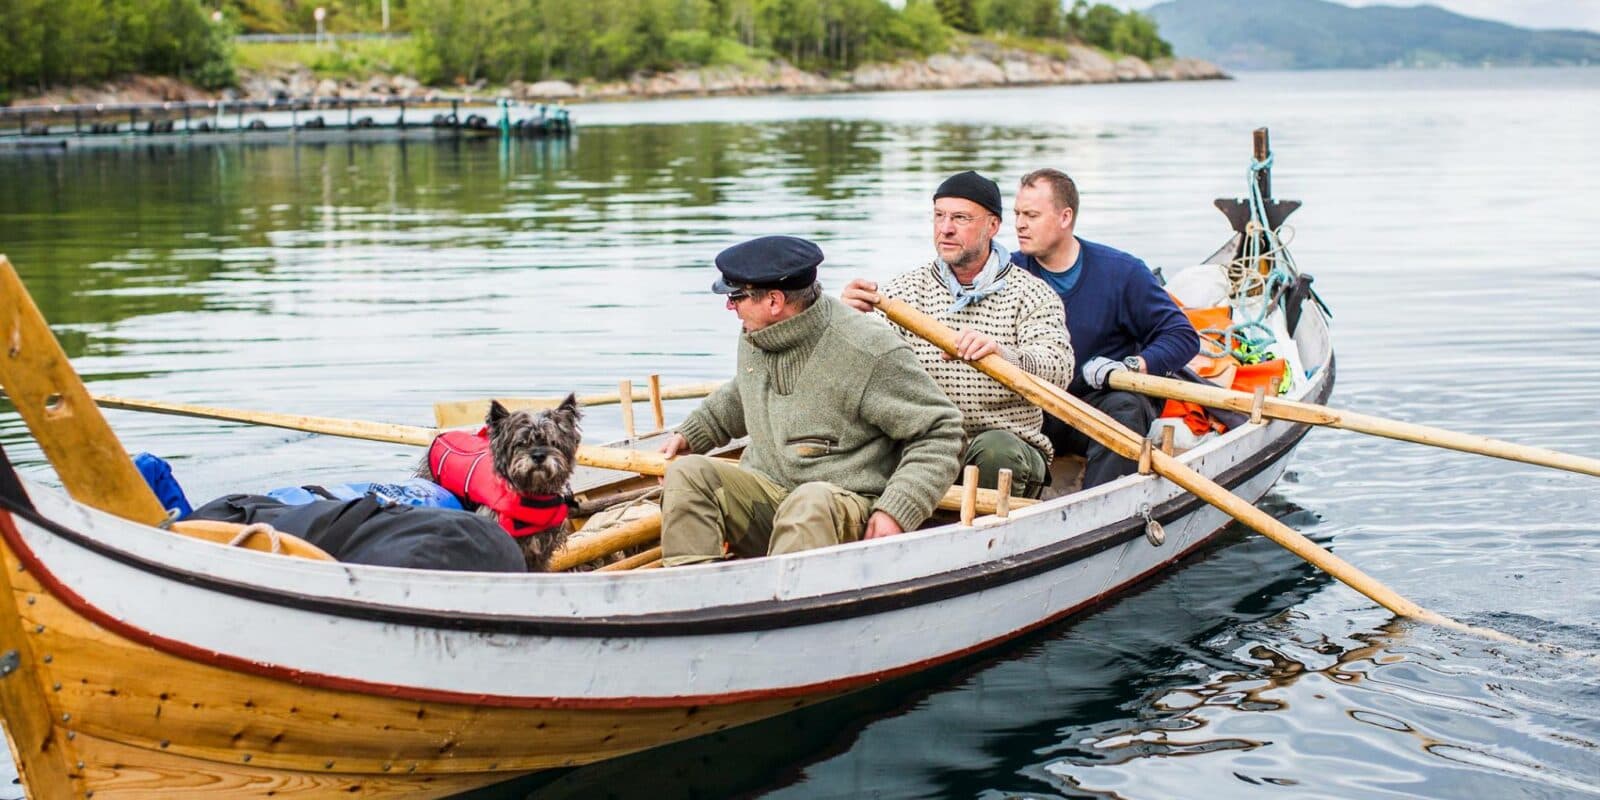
point(1117, 309)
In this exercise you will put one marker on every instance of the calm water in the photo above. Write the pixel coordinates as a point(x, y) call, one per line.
point(1448, 220)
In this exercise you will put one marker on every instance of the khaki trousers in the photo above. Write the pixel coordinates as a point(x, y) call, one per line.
point(708, 502)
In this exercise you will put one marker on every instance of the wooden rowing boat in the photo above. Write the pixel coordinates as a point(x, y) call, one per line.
point(138, 663)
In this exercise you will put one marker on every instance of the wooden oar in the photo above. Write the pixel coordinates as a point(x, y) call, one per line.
point(456, 413)
point(643, 462)
point(1312, 414)
point(1101, 428)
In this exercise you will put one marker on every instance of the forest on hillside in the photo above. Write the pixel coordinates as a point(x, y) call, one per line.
point(54, 42)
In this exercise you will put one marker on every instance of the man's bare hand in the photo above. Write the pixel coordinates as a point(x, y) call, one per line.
point(880, 524)
point(674, 445)
point(860, 294)
point(972, 345)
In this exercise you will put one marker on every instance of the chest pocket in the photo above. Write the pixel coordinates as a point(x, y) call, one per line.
point(811, 446)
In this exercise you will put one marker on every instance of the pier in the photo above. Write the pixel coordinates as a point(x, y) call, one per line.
point(322, 118)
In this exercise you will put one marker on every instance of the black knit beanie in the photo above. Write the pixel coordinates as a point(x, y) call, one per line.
point(970, 185)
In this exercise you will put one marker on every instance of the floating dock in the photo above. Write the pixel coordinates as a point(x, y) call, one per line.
point(317, 118)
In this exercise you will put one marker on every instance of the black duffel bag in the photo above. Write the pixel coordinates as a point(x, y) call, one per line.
point(370, 531)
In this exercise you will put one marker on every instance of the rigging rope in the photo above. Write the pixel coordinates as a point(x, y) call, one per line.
point(1249, 338)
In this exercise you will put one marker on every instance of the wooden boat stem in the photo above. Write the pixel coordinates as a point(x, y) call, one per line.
point(1101, 428)
point(1312, 414)
point(51, 398)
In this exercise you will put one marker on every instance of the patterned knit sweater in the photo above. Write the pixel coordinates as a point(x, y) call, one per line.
point(1024, 317)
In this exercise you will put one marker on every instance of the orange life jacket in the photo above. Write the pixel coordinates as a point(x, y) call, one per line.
point(1266, 374)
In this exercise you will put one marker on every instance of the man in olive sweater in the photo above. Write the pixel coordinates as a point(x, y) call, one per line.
point(849, 437)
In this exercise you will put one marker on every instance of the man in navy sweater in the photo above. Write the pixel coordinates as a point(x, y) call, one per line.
point(1118, 316)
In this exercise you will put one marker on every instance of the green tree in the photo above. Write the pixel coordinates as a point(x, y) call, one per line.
point(60, 41)
point(960, 14)
point(1136, 34)
point(1041, 18)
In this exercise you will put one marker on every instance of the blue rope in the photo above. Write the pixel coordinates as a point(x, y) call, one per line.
point(1281, 275)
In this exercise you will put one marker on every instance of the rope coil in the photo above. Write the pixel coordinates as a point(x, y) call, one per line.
point(274, 538)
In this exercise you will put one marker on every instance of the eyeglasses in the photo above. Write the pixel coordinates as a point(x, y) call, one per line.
point(734, 297)
point(961, 220)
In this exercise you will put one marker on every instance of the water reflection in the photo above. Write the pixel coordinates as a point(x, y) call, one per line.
point(973, 727)
point(369, 280)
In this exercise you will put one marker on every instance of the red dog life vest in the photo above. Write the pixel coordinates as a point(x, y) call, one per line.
point(461, 463)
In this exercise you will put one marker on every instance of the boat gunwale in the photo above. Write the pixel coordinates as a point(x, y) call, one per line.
point(739, 618)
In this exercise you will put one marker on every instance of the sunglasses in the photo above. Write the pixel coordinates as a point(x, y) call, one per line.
point(734, 297)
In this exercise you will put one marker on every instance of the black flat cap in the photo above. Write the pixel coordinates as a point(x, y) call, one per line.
point(769, 262)
point(970, 185)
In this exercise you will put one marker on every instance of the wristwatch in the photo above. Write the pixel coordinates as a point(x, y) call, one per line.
point(1133, 363)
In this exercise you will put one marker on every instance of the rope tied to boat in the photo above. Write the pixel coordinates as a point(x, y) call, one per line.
point(1248, 338)
point(274, 537)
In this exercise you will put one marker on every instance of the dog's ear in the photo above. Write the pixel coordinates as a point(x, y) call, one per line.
point(570, 406)
point(497, 413)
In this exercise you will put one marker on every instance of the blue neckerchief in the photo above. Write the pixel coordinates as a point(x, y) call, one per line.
point(982, 286)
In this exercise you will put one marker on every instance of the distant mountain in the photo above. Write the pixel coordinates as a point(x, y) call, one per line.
point(1313, 34)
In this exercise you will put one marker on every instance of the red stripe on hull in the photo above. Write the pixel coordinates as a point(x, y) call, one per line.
point(79, 605)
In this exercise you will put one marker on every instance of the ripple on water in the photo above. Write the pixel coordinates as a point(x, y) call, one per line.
point(369, 281)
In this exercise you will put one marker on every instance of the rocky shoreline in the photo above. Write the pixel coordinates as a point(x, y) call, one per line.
point(977, 67)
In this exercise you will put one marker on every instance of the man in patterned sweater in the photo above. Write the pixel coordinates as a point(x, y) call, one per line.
point(995, 307)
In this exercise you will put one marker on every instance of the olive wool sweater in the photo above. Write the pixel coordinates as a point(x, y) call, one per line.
point(835, 396)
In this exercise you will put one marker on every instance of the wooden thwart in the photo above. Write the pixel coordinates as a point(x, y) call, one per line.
point(1312, 414)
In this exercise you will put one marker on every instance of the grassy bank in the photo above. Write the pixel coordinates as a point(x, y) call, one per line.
point(350, 59)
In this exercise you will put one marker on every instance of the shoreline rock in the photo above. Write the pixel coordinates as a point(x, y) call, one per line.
point(984, 66)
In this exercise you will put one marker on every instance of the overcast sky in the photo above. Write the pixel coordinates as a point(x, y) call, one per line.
point(1579, 14)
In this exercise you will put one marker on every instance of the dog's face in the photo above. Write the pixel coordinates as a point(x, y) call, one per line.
point(534, 451)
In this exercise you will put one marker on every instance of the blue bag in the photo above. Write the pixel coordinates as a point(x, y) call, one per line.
point(158, 474)
point(409, 492)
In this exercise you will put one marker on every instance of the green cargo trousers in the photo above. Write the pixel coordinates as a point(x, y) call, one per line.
point(707, 502)
point(994, 450)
